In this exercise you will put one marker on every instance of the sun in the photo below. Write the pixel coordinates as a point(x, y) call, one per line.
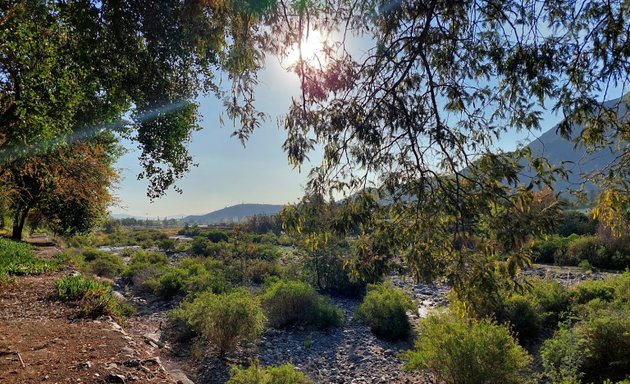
point(310, 50)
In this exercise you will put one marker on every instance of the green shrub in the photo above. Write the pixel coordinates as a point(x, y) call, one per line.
point(73, 288)
point(294, 302)
point(167, 244)
point(223, 319)
point(199, 245)
point(106, 265)
point(95, 298)
point(554, 300)
point(18, 259)
point(577, 223)
point(458, 350)
point(524, 316)
point(144, 266)
point(591, 289)
point(91, 254)
point(606, 336)
point(255, 374)
point(590, 248)
point(216, 236)
point(258, 270)
point(551, 250)
point(563, 356)
point(384, 308)
point(190, 277)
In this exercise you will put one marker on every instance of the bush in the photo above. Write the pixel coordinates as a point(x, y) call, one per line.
point(18, 259)
point(589, 248)
point(73, 288)
point(384, 308)
point(106, 265)
point(563, 356)
point(216, 236)
point(551, 250)
point(554, 300)
point(575, 222)
point(293, 302)
point(255, 374)
point(606, 336)
point(590, 290)
point(524, 316)
point(258, 270)
point(190, 277)
point(95, 298)
point(458, 350)
point(224, 319)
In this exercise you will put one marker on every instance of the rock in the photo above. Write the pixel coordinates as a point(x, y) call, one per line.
point(115, 378)
point(86, 365)
point(131, 363)
point(154, 338)
point(180, 377)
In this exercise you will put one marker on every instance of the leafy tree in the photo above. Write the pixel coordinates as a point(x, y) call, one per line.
point(70, 69)
point(417, 118)
point(66, 189)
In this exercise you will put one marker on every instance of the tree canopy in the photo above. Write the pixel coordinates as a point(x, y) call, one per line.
point(417, 116)
point(69, 69)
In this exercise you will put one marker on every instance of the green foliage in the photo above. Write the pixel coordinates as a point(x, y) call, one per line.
point(594, 344)
point(458, 350)
point(576, 222)
point(600, 252)
point(223, 319)
point(552, 250)
point(293, 302)
point(553, 298)
point(384, 308)
point(524, 316)
point(590, 248)
point(95, 298)
point(563, 356)
point(72, 288)
point(106, 265)
point(590, 290)
point(145, 268)
point(255, 374)
point(192, 276)
point(217, 236)
point(259, 270)
point(17, 258)
point(167, 244)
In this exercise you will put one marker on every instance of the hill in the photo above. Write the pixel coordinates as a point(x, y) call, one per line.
point(580, 163)
point(234, 213)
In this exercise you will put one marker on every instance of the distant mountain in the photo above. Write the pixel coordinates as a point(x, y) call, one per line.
point(234, 213)
point(578, 161)
point(122, 216)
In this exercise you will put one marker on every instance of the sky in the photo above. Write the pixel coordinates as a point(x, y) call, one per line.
point(228, 173)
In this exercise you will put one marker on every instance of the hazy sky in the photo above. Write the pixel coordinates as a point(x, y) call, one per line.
point(230, 174)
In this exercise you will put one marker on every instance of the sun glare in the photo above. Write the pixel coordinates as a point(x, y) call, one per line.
point(311, 49)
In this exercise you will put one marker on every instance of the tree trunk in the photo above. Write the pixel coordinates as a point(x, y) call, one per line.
point(18, 222)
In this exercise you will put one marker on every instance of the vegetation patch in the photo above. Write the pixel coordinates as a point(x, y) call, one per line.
point(223, 319)
point(293, 302)
point(458, 350)
point(385, 308)
point(94, 298)
point(255, 374)
point(18, 258)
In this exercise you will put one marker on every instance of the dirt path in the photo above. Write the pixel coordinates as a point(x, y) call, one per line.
point(43, 340)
